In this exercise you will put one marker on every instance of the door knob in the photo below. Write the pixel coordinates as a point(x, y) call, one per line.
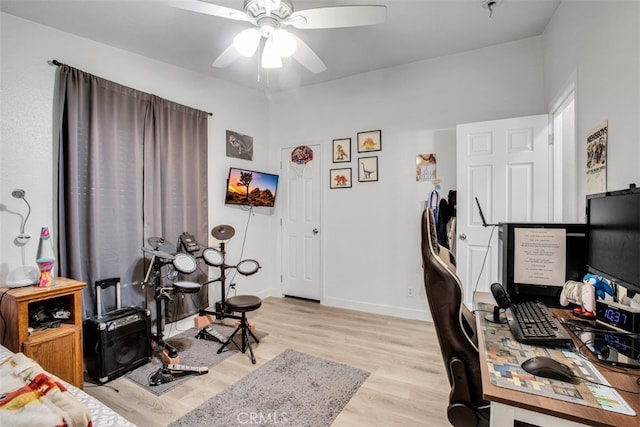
point(315, 231)
point(463, 236)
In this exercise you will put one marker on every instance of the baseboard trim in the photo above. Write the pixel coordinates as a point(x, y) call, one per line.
point(388, 310)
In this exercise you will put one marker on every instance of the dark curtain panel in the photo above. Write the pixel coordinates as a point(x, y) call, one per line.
point(176, 147)
point(130, 166)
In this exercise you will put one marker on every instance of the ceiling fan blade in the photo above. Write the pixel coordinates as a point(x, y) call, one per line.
point(210, 9)
point(307, 57)
point(338, 16)
point(227, 57)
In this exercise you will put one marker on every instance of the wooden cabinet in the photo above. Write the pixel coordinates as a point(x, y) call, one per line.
point(57, 349)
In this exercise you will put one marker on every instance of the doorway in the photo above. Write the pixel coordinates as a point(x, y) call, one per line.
point(301, 236)
point(568, 204)
point(505, 165)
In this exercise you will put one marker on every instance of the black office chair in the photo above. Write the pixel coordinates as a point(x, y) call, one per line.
point(456, 330)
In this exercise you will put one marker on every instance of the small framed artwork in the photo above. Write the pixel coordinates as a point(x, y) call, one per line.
point(369, 141)
point(239, 146)
point(426, 167)
point(340, 178)
point(368, 169)
point(341, 150)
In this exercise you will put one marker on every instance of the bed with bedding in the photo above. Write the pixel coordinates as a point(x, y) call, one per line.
point(30, 396)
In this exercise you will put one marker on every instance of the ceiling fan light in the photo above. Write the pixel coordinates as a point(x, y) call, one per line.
point(284, 43)
point(246, 42)
point(270, 57)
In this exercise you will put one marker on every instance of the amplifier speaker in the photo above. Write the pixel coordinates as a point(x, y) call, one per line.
point(117, 342)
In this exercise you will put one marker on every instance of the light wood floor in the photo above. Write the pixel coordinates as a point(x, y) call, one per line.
point(407, 385)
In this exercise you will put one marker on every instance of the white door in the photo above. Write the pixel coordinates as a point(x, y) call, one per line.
point(505, 164)
point(300, 220)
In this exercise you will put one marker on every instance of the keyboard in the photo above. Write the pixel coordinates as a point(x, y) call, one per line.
point(531, 322)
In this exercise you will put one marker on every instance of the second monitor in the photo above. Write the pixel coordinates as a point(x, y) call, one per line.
point(536, 259)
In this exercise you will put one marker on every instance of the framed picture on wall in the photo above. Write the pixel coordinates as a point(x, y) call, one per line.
point(370, 140)
point(239, 146)
point(340, 178)
point(426, 167)
point(341, 150)
point(368, 169)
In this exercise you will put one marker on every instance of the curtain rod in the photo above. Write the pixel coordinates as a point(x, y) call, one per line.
point(58, 64)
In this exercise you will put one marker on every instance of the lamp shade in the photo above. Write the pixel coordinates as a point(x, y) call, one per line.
point(284, 43)
point(246, 42)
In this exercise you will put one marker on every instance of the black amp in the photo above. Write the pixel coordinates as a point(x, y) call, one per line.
point(117, 342)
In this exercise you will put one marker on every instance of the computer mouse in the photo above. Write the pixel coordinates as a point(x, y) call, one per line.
point(547, 367)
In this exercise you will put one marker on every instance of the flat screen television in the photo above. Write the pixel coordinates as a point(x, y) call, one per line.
point(250, 188)
point(613, 236)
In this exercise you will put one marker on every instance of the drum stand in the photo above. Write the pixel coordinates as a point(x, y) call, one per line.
point(160, 294)
point(221, 311)
point(168, 370)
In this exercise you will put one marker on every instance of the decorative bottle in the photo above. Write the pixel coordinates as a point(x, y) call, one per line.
point(45, 259)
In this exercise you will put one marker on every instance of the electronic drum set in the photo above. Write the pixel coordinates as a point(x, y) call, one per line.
point(184, 260)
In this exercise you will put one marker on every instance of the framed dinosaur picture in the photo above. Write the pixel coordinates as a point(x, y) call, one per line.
point(368, 169)
point(370, 140)
point(340, 178)
point(341, 150)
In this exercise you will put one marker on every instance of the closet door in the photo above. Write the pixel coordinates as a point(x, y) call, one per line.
point(301, 235)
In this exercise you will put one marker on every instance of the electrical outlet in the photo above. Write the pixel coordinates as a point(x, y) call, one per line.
point(409, 291)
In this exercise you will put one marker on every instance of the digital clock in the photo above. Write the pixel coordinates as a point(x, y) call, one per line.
point(618, 315)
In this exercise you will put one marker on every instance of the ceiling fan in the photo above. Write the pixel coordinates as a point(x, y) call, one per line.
point(270, 18)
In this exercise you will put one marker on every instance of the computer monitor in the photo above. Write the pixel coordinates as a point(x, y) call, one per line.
point(613, 237)
point(536, 259)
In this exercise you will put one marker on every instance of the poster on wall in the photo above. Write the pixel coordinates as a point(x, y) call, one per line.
point(239, 146)
point(426, 167)
point(597, 159)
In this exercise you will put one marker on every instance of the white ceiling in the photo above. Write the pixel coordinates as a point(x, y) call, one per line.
point(414, 30)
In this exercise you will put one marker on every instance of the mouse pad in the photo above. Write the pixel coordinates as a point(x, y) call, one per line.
point(505, 355)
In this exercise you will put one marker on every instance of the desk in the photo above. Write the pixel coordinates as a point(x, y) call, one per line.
point(508, 405)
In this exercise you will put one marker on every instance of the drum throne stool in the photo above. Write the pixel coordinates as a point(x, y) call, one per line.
point(242, 304)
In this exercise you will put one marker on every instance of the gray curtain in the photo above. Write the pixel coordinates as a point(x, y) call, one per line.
point(175, 187)
point(131, 166)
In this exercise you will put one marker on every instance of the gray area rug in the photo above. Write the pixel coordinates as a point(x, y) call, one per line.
point(292, 389)
point(192, 351)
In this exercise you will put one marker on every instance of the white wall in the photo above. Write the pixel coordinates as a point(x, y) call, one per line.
point(597, 45)
point(26, 158)
point(417, 107)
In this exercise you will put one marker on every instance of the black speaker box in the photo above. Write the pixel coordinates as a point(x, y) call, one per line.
point(117, 342)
